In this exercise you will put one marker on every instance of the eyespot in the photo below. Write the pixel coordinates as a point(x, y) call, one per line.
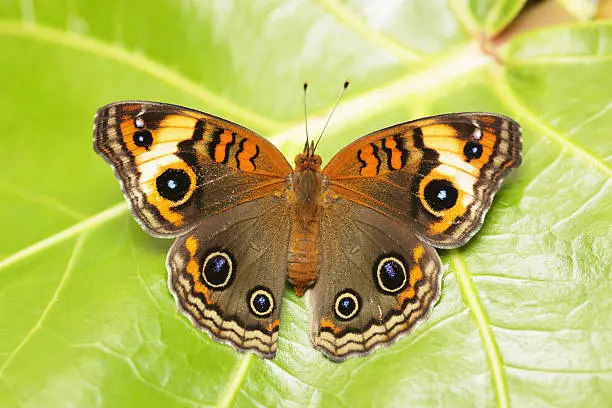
point(261, 301)
point(348, 303)
point(143, 138)
point(217, 270)
point(440, 194)
point(173, 184)
point(472, 150)
point(390, 274)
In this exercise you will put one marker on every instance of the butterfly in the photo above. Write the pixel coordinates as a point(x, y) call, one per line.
point(359, 233)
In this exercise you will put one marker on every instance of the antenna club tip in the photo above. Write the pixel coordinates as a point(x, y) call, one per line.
point(305, 84)
point(346, 83)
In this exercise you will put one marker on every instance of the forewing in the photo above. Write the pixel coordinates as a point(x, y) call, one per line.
point(438, 175)
point(178, 165)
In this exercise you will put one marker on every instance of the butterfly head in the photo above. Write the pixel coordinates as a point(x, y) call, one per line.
point(307, 161)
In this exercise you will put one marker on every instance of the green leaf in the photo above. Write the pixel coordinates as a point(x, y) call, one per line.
point(86, 318)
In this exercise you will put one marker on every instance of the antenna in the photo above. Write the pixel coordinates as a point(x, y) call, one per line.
point(305, 116)
point(346, 84)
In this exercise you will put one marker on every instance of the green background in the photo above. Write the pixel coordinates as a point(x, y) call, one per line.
point(86, 318)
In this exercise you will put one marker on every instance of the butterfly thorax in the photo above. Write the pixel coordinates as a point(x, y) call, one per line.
point(303, 255)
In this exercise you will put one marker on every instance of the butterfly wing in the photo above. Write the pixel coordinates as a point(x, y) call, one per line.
point(377, 281)
point(228, 274)
point(438, 175)
point(177, 165)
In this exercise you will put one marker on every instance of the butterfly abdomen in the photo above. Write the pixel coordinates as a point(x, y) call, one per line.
point(303, 255)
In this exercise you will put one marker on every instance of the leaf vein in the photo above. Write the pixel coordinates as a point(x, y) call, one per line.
point(69, 267)
point(447, 70)
point(602, 193)
point(43, 199)
point(139, 62)
point(351, 20)
point(506, 94)
point(128, 360)
point(560, 371)
point(491, 349)
point(235, 381)
point(90, 223)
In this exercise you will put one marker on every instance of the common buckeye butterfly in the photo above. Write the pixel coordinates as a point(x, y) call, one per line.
point(360, 232)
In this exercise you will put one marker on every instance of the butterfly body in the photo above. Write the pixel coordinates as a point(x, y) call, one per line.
point(359, 232)
point(307, 183)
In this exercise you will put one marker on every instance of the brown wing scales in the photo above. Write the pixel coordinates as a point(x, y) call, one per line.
point(379, 280)
point(228, 274)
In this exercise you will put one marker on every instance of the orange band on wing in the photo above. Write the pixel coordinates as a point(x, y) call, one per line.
point(328, 324)
point(246, 155)
point(416, 274)
point(369, 160)
point(192, 245)
point(221, 149)
point(395, 159)
point(193, 268)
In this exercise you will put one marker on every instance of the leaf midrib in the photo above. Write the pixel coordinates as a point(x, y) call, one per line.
point(139, 62)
